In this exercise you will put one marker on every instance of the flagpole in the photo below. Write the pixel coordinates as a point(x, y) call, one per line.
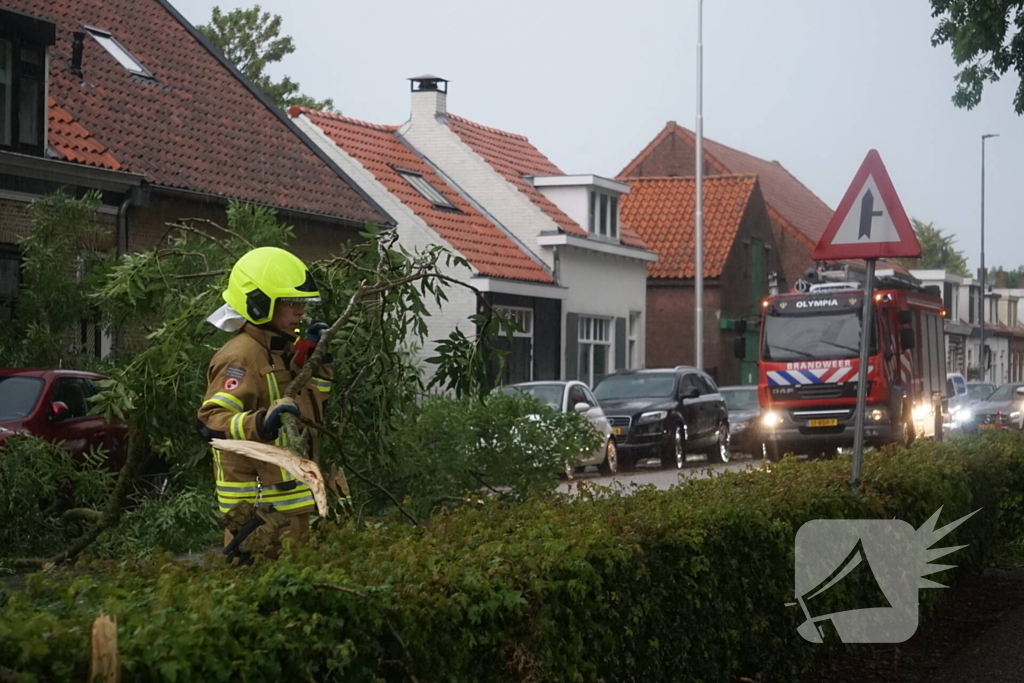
point(698, 288)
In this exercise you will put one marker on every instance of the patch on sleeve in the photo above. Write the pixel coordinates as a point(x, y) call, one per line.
point(230, 384)
point(235, 372)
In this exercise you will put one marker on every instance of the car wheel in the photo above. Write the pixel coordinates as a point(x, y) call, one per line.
point(719, 452)
point(772, 451)
point(610, 465)
point(675, 455)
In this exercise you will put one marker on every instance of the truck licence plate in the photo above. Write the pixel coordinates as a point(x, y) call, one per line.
point(990, 426)
point(828, 422)
point(617, 431)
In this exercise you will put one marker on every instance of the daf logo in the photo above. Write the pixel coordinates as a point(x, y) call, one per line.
point(816, 303)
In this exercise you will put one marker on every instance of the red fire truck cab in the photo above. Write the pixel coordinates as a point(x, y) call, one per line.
point(808, 365)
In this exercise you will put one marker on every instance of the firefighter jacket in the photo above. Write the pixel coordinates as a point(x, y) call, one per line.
point(245, 377)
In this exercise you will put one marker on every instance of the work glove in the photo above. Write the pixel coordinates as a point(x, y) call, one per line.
point(305, 346)
point(270, 426)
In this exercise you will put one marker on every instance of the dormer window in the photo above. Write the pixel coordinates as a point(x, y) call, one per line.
point(604, 215)
point(23, 43)
point(423, 186)
point(118, 52)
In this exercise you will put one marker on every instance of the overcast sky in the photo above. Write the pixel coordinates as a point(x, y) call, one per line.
point(811, 84)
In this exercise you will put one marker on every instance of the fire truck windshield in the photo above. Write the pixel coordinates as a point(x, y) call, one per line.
point(826, 336)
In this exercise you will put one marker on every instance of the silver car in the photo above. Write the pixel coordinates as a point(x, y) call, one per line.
point(576, 396)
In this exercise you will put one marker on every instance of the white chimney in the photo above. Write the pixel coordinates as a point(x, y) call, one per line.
point(429, 97)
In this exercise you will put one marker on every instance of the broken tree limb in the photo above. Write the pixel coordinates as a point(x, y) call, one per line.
point(106, 661)
point(306, 471)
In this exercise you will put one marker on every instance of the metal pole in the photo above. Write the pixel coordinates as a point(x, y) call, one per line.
point(698, 328)
point(862, 372)
point(982, 353)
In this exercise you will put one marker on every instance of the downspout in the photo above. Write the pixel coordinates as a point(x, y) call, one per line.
point(122, 249)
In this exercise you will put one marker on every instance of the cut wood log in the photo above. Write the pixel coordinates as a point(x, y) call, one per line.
point(306, 471)
point(106, 661)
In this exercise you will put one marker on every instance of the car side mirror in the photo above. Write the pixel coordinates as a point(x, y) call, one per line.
point(59, 411)
point(907, 338)
point(739, 347)
point(692, 392)
point(581, 407)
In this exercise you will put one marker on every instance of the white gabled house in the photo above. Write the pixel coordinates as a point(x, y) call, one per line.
point(571, 223)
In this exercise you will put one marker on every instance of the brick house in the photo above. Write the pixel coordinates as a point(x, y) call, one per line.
point(738, 244)
point(798, 216)
point(549, 247)
point(126, 97)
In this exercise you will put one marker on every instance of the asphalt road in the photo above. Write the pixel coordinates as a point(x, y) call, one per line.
point(651, 472)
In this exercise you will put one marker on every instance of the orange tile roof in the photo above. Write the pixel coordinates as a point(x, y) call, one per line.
point(195, 125)
point(486, 246)
point(513, 157)
point(789, 201)
point(72, 142)
point(662, 211)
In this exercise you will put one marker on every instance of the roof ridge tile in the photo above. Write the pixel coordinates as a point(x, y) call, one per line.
point(489, 129)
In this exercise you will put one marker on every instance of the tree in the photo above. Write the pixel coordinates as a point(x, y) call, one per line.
point(976, 31)
point(251, 39)
point(937, 251)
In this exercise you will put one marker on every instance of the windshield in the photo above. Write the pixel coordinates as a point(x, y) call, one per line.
point(550, 394)
point(640, 385)
point(828, 336)
point(18, 396)
point(979, 392)
point(1007, 392)
point(740, 399)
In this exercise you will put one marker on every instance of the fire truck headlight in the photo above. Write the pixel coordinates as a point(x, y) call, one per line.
point(920, 413)
point(878, 414)
point(771, 419)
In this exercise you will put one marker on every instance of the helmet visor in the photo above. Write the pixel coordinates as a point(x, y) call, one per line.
point(299, 300)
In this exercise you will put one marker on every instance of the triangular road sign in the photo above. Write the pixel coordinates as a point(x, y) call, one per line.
point(870, 221)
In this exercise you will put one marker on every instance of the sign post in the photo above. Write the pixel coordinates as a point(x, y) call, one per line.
point(868, 224)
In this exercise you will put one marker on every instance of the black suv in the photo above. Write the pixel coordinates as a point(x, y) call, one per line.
point(665, 413)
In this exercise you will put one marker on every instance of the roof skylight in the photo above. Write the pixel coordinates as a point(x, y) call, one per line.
point(118, 52)
point(429, 192)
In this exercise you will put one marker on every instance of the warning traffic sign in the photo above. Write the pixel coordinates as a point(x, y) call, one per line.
point(870, 222)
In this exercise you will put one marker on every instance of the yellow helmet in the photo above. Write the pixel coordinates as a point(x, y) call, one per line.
point(264, 276)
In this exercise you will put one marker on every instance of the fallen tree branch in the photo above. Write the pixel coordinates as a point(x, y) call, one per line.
point(345, 463)
point(306, 471)
point(409, 661)
point(81, 515)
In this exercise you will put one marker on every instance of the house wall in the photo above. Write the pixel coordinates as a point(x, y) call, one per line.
point(468, 170)
point(675, 157)
point(605, 286)
point(415, 235)
point(573, 201)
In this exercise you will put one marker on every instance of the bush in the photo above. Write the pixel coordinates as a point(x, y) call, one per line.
point(38, 479)
point(681, 585)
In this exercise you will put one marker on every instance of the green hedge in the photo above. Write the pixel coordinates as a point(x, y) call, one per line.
point(680, 585)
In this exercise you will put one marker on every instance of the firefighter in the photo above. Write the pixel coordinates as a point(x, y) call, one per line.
point(265, 301)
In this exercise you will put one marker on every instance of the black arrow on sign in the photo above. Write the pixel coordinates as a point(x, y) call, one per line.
point(867, 212)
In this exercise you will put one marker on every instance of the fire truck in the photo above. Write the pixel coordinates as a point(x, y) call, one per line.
point(808, 363)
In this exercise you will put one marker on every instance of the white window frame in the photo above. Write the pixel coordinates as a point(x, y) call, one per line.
point(633, 339)
point(523, 316)
point(593, 331)
point(608, 228)
point(118, 51)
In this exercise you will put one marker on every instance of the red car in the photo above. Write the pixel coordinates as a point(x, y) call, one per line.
point(54, 404)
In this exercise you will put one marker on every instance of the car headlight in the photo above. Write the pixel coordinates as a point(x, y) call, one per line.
point(1015, 415)
point(920, 413)
point(653, 416)
point(962, 415)
point(771, 419)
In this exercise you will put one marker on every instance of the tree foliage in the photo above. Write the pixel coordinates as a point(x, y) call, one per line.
point(937, 250)
point(986, 41)
point(251, 39)
point(1014, 277)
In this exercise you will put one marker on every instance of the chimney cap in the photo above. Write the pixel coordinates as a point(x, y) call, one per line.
point(428, 83)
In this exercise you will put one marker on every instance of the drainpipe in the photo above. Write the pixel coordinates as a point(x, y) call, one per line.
point(122, 249)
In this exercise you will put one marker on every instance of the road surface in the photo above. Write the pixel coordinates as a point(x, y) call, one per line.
point(651, 472)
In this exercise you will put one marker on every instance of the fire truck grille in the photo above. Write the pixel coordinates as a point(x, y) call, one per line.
point(820, 391)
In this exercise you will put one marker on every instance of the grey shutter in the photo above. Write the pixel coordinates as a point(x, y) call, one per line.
point(620, 343)
point(572, 346)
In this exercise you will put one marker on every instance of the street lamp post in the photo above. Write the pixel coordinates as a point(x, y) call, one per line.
point(698, 287)
point(982, 352)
